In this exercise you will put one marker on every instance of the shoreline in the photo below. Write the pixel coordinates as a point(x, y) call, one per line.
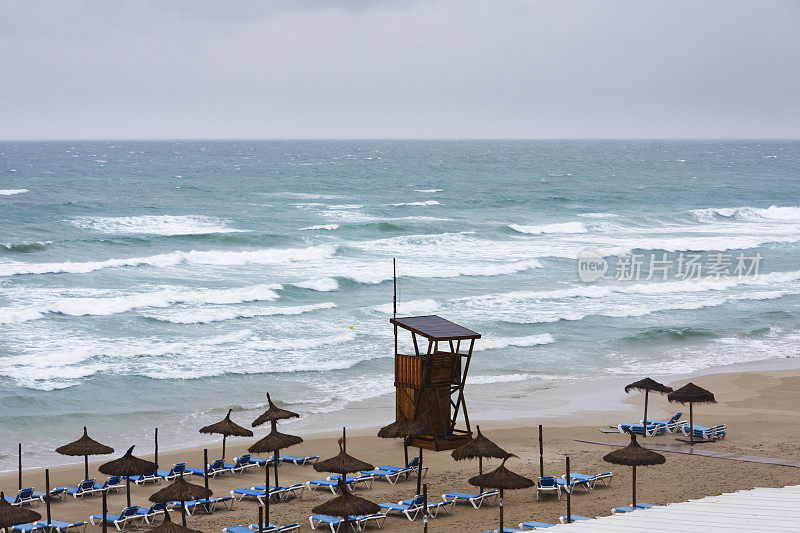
point(562, 402)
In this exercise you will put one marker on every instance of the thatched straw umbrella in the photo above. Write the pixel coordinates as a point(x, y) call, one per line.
point(634, 455)
point(168, 526)
point(14, 515)
point(127, 466)
point(227, 428)
point(343, 463)
point(273, 414)
point(182, 491)
point(85, 446)
point(346, 505)
point(647, 385)
point(405, 428)
point(503, 479)
point(272, 443)
point(691, 394)
point(479, 447)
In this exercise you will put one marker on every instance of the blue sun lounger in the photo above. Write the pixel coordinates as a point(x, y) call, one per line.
point(240, 464)
point(285, 493)
point(214, 467)
point(433, 507)
point(27, 528)
point(117, 520)
point(62, 527)
point(670, 426)
point(58, 492)
point(363, 520)
point(548, 485)
point(84, 487)
point(333, 486)
point(533, 524)
point(476, 500)
point(653, 430)
point(353, 482)
point(174, 472)
point(334, 522)
point(299, 461)
point(410, 508)
point(385, 475)
point(705, 433)
point(23, 497)
point(112, 483)
point(154, 510)
point(258, 461)
point(573, 482)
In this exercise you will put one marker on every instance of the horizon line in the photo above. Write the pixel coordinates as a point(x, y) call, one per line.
point(363, 139)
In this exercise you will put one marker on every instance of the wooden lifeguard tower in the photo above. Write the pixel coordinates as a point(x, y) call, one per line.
point(430, 383)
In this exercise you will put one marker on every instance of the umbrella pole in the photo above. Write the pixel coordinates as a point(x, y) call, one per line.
point(275, 463)
point(266, 498)
point(425, 508)
point(205, 467)
point(501, 509)
point(691, 425)
point(156, 448)
point(20, 465)
point(644, 420)
point(633, 498)
point(128, 489)
point(405, 450)
point(260, 519)
point(105, 513)
point(419, 472)
point(569, 492)
point(85, 467)
point(541, 453)
point(480, 470)
point(344, 440)
point(183, 513)
point(223, 446)
point(47, 493)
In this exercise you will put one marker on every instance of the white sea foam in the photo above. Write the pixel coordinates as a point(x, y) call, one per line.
point(321, 285)
point(424, 306)
point(156, 225)
point(268, 256)
point(430, 191)
point(497, 343)
point(561, 227)
point(598, 215)
point(418, 204)
point(11, 192)
point(502, 378)
point(154, 299)
point(207, 315)
point(329, 227)
point(752, 214)
point(346, 206)
point(308, 196)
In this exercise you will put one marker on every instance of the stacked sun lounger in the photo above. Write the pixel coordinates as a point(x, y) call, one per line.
point(119, 521)
point(411, 508)
point(58, 526)
point(267, 528)
point(476, 500)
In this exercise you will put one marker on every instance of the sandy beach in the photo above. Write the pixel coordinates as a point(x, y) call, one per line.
point(759, 406)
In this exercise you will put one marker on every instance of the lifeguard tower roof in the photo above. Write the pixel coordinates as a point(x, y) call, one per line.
point(435, 328)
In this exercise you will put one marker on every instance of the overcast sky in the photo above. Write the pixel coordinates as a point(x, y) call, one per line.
point(399, 69)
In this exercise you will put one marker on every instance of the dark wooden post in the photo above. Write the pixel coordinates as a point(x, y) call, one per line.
point(633, 497)
point(155, 460)
point(274, 462)
point(425, 508)
point(501, 510)
point(105, 512)
point(205, 467)
point(569, 490)
point(691, 425)
point(644, 420)
point(223, 446)
point(183, 513)
point(419, 472)
point(344, 440)
point(20, 465)
point(480, 470)
point(260, 519)
point(266, 498)
point(85, 467)
point(541, 453)
point(47, 493)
